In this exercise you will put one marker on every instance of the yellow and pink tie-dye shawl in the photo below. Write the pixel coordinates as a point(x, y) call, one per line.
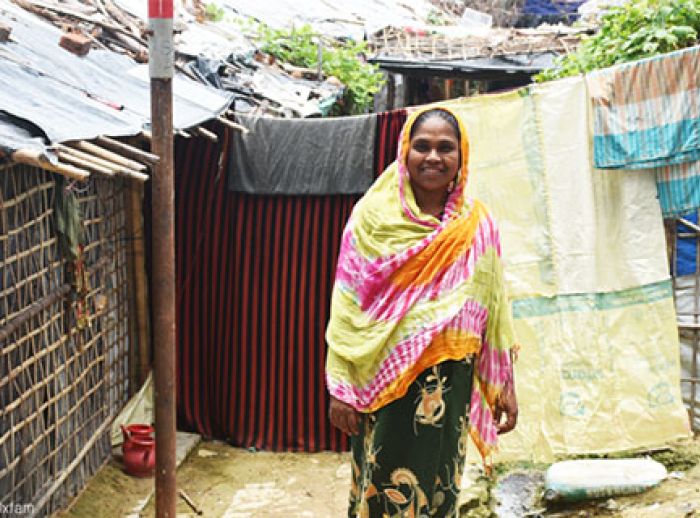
point(412, 291)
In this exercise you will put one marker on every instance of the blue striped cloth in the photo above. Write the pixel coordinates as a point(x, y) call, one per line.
point(686, 248)
point(646, 115)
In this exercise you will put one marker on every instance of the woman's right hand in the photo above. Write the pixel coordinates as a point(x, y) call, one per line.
point(344, 416)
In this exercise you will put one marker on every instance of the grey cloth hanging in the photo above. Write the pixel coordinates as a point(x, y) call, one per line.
point(303, 156)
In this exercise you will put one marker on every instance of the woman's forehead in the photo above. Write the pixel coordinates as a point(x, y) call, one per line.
point(434, 127)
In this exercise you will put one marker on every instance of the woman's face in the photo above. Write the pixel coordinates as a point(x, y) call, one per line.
point(433, 155)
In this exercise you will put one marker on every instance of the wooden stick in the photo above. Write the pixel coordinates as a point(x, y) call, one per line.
point(134, 175)
point(72, 155)
point(72, 159)
point(689, 224)
point(233, 125)
point(115, 168)
point(189, 502)
point(37, 159)
point(209, 135)
point(90, 158)
point(682, 325)
point(32, 310)
point(37, 307)
point(110, 156)
point(135, 223)
point(127, 150)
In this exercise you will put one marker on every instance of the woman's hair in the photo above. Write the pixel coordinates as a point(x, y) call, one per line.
point(440, 114)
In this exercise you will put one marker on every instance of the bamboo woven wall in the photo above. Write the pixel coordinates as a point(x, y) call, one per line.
point(59, 386)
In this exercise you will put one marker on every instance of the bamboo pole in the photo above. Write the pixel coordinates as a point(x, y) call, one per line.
point(128, 151)
point(233, 125)
point(103, 162)
point(115, 168)
point(134, 175)
point(690, 224)
point(109, 155)
point(209, 135)
point(84, 164)
point(37, 159)
point(32, 310)
point(139, 283)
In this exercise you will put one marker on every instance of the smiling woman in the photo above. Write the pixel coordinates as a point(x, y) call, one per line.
point(420, 331)
point(433, 159)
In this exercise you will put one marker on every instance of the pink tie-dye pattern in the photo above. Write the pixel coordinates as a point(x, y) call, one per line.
point(383, 301)
point(472, 318)
point(481, 418)
point(364, 278)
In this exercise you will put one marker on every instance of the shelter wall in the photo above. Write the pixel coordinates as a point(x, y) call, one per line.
point(60, 385)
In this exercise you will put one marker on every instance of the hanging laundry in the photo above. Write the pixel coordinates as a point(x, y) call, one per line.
point(678, 188)
point(386, 142)
point(646, 114)
point(303, 156)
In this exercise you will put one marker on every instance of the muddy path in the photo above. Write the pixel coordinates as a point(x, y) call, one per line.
point(230, 482)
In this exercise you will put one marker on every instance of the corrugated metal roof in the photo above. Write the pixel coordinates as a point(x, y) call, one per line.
point(67, 97)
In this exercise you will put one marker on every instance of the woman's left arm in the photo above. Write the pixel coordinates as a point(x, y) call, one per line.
point(507, 407)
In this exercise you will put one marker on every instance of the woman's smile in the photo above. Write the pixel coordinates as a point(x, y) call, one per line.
point(433, 160)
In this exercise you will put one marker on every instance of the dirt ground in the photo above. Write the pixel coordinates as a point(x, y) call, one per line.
point(234, 483)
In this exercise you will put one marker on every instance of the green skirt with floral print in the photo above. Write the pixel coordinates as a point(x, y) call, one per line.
point(409, 457)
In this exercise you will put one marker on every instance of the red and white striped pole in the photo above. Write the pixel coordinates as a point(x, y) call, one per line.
point(161, 56)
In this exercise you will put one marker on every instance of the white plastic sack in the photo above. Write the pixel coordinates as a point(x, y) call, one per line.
point(574, 480)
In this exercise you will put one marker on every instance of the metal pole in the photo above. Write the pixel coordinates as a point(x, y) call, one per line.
point(160, 47)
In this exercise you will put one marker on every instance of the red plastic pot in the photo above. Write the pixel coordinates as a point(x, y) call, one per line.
point(140, 456)
point(134, 430)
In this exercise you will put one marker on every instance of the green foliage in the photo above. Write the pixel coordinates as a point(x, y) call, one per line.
point(436, 17)
point(635, 30)
point(344, 60)
point(214, 13)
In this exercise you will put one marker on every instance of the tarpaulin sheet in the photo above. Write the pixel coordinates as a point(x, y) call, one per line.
point(686, 255)
point(585, 263)
point(303, 156)
point(547, 7)
point(70, 97)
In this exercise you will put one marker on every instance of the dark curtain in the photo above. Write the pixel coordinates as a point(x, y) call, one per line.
point(254, 278)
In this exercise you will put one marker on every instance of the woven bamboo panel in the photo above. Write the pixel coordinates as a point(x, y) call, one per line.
point(60, 386)
point(427, 45)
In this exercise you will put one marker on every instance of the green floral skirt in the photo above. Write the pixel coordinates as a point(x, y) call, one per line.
point(409, 457)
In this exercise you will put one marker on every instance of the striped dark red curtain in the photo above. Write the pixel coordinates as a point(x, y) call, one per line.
point(255, 275)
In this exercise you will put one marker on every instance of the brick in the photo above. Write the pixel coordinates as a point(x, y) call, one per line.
point(76, 43)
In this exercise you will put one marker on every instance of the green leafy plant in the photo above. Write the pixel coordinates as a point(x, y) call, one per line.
point(436, 17)
point(214, 13)
point(343, 60)
point(633, 31)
